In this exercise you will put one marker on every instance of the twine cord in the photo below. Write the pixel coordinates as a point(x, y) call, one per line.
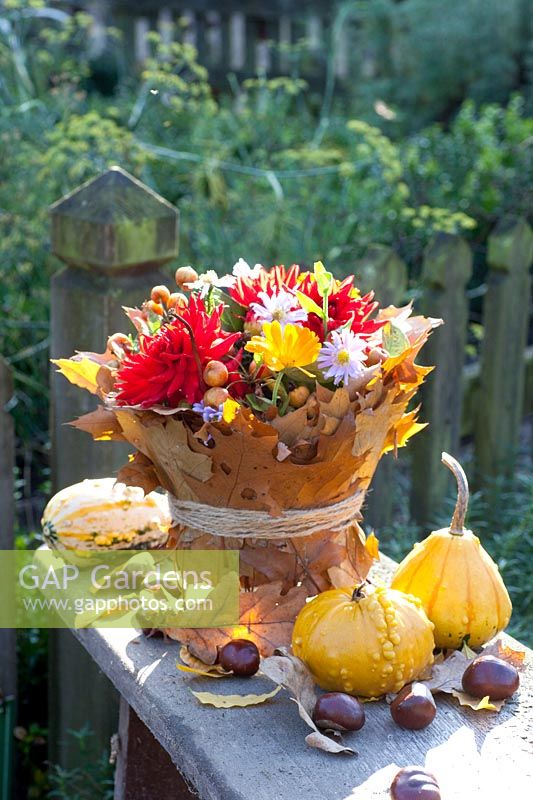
point(249, 524)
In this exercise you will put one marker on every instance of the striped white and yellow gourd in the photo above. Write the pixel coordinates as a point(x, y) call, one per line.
point(102, 514)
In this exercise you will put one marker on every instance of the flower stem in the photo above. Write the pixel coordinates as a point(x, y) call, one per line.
point(275, 390)
point(195, 352)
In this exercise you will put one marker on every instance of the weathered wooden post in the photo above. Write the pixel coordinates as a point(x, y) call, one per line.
point(446, 271)
point(384, 271)
point(506, 315)
point(113, 234)
point(8, 640)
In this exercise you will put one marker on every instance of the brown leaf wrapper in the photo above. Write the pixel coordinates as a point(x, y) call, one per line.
point(315, 456)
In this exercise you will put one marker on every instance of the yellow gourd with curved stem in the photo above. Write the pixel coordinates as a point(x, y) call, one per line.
point(457, 581)
point(365, 642)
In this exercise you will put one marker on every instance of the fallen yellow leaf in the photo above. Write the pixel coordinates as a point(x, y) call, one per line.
point(234, 700)
point(485, 704)
point(207, 673)
point(81, 373)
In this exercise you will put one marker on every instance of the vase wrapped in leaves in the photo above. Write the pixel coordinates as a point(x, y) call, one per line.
point(261, 402)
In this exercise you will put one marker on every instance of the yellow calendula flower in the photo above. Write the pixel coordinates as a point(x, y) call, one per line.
point(287, 346)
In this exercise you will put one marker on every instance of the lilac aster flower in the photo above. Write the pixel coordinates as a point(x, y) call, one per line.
point(281, 306)
point(342, 358)
point(208, 413)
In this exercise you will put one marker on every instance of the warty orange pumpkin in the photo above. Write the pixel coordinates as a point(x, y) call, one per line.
point(365, 642)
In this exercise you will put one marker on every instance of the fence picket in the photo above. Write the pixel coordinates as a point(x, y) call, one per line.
point(505, 320)
point(113, 234)
point(446, 271)
point(381, 269)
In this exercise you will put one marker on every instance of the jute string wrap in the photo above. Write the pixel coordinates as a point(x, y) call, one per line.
point(249, 524)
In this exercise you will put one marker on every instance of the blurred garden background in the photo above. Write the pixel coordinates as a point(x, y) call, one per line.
point(284, 132)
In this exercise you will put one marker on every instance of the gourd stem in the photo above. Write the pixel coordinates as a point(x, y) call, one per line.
point(358, 592)
point(457, 525)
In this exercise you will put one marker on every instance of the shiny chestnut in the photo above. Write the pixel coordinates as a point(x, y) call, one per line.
point(413, 708)
point(488, 675)
point(240, 656)
point(339, 712)
point(414, 783)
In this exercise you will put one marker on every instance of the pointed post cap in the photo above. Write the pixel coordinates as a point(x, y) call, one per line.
point(114, 223)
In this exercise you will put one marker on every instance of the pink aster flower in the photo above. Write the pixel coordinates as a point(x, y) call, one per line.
point(281, 306)
point(343, 357)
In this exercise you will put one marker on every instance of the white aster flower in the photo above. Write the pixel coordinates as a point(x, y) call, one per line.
point(281, 306)
point(343, 357)
point(209, 280)
point(243, 270)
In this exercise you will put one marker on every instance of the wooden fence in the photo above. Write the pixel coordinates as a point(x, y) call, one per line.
point(245, 38)
point(114, 236)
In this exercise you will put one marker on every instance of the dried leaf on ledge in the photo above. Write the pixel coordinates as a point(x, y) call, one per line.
point(485, 704)
point(447, 673)
point(234, 700)
point(291, 673)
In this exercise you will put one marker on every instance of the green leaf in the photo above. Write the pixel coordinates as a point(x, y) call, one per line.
point(394, 340)
point(232, 318)
point(309, 305)
point(258, 403)
point(323, 279)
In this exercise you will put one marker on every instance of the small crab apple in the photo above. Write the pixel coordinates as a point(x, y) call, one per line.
point(160, 294)
point(215, 396)
point(155, 308)
point(184, 276)
point(177, 300)
point(216, 373)
point(298, 396)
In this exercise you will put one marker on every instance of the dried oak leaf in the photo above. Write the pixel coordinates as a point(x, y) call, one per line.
point(266, 617)
point(515, 657)
point(485, 704)
point(194, 665)
point(165, 441)
point(315, 555)
point(139, 472)
point(102, 424)
point(447, 675)
point(269, 563)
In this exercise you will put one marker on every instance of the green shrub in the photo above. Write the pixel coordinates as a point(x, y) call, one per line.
point(425, 57)
point(255, 173)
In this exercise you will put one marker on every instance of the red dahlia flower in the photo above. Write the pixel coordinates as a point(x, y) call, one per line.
point(342, 307)
point(246, 290)
point(165, 370)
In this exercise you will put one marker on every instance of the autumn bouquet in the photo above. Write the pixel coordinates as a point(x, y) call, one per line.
point(261, 402)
